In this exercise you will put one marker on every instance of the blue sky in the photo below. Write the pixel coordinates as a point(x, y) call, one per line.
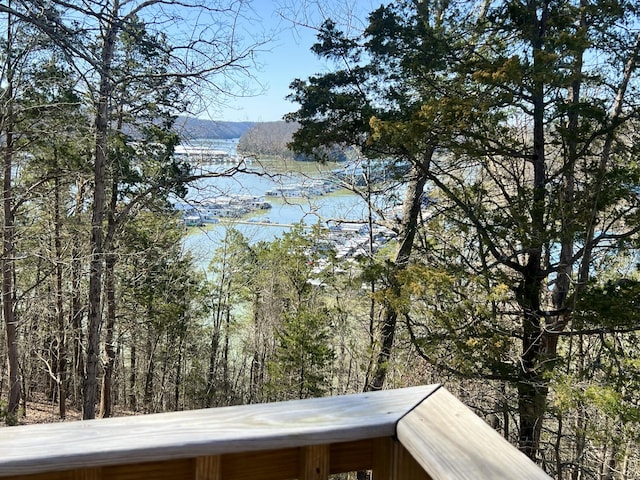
point(286, 57)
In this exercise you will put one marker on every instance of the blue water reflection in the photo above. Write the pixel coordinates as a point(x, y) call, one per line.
point(258, 178)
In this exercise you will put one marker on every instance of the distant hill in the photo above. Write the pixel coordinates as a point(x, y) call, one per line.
point(190, 127)
point(268, 139)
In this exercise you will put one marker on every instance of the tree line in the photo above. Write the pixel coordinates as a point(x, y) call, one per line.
point(270, 139)
point(197, 128)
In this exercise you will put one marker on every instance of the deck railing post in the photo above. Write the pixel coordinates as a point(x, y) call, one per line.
point(405, 466)
point(208, 468)
point(314, 462)
point(383, 452)
point(87, 474)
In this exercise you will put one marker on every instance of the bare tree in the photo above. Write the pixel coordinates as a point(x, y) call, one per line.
point(209, 56)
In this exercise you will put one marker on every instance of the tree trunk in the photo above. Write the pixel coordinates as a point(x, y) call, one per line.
point(8, 247)
point(61, 341)
point(213, 359)
point(178, 381)
point(152, 343)
point(76, 310)
point(256, 381)
point(7, 285)
point(109, 347)
point(110, 292)
point(225, 351)
point(133, 404)
point(410, 214)
point(532, 386)
point(99, 193)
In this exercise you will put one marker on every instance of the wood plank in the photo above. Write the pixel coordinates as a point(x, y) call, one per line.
point(43, 476)
point(168, 470)
point(405, 466)
point(314, 462)
point(270, 465)
point(281, 464)
point(87, 474)
point(449, 441)
point(383, 458)
point(352, 456)
point(208, 468)
point(148, 438)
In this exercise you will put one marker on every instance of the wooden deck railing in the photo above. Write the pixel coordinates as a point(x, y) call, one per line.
point(407, 434)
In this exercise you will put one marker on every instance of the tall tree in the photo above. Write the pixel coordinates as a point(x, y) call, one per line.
point(131, 94)
point(230, 266)
point(8, 246)
point(530, 140)
point(161, 292)
point(291, 307)
point(548, 165)
point(52, 105)
point(143, 169)
point(347, 107)
point(303, 357)
point(21, 45)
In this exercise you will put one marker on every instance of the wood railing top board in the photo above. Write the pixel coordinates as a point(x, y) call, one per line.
point(146, 438)
point(449, 441)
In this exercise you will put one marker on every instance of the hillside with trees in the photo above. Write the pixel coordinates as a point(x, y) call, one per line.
point(510, 272)
point(269, 139)
point(193, 128)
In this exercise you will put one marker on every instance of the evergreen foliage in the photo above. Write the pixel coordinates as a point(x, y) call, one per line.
point(524, 120)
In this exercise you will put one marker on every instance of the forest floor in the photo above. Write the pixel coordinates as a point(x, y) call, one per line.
point(41, 410)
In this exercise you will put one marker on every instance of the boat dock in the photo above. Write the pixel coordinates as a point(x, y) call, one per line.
point(204, 155)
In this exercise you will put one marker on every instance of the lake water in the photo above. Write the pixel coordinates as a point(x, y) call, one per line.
point(262, 176)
